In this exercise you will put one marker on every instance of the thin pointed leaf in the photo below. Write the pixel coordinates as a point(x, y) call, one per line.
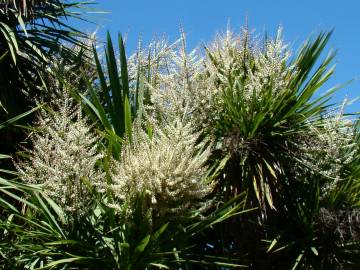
point(124, 70)
point(128, 119)
point(116, 89)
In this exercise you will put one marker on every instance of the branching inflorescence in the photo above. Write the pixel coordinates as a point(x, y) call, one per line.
point(169, 167)
point(64, 157)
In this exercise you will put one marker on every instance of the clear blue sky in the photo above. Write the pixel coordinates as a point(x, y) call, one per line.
point(201, 19)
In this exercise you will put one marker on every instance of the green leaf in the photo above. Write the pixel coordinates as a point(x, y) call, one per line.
point(97, 108)
point(18, 117)
point(273, 243)
point(270, 168)
point(128, 119)
point(160, 231)
point(143, 244)
point(7, 204)
point(115, 87)
point(22, 24)
point(314, 250)
point(60, 213)
point(2, 57)
point(37, 50)
point(160, 266)
point(104, 87)
point(10, 37)
point(268, 195)
point(13, 195)
point(298, 260)
point(124, 69)
point(49, 215)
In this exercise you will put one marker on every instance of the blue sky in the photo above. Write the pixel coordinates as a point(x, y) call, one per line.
point(201, 19)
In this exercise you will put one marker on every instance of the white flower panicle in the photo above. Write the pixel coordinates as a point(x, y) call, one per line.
point(64, 154)
point(170, 74)
point(329, 147)
point(270, 66)
point(169, 167)
point(235, 57)
point(181, 81)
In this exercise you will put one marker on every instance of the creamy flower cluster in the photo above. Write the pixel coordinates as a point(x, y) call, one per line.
point(328, 147)
point(171, 74)
point(64, 155)
point(237, 63)
point(169, 168)
point(193, 82)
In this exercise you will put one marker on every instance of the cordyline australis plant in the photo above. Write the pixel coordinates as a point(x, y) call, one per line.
point(26, 7)
point(164, 159)
point(296, 157)
point(158, 180)
point(169, 166)
point(242, 93)
point(31, 33)
point(235, 69)
point(291, 150)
